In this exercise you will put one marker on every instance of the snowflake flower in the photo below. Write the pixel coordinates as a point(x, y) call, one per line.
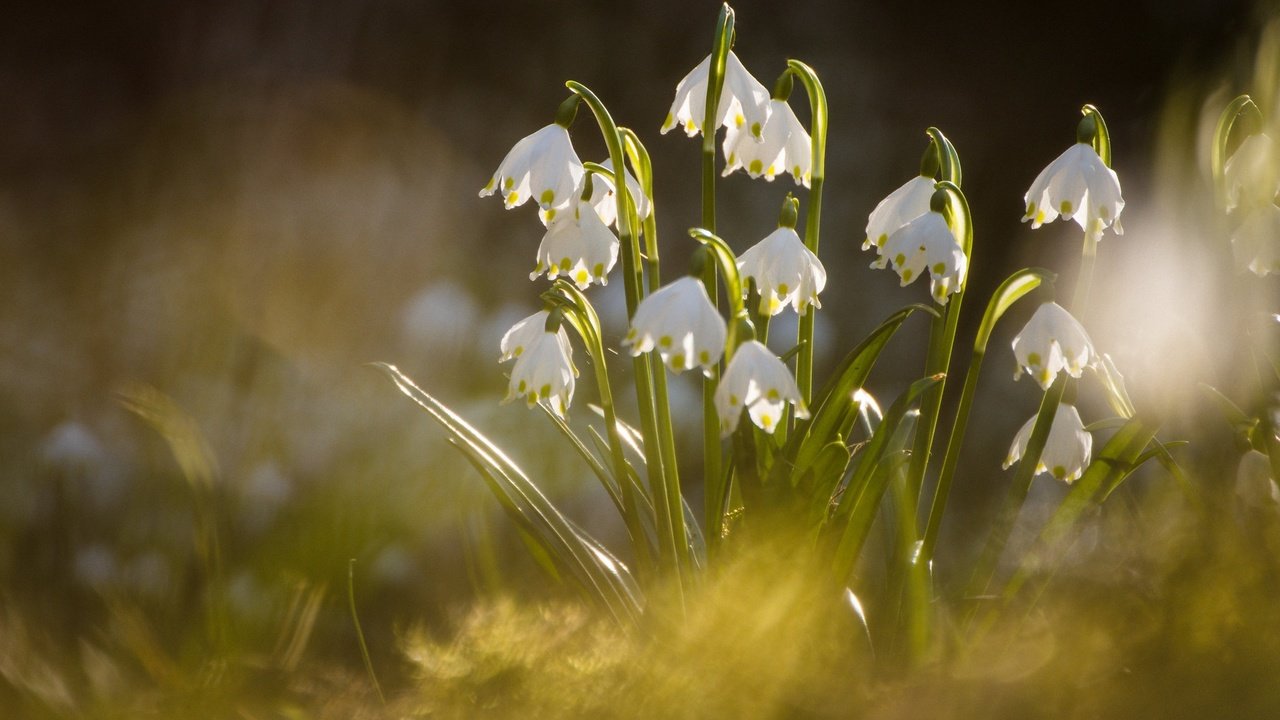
point(785, 271)
point(757, 380)
point(1076, 185)
point(743, 100)
point(578, 245)
point(927, 242)
point(680, 321)
point(783, 146)
point(1052, 340)
point(1066, 452)
point(543, 371)
point(542, 166)
point(900, 207)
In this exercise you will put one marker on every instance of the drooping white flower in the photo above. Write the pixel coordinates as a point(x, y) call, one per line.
point(1256, 241)
point(606, 205)
point(927, 242)
point(783, 146)
point(785, 271)
point(900, 207)
point(680, 321)
point(578, 245)
point(542, 166)
point(544, 372)
point(744, 102)
point(1076, 185)
point(759, 381)
point(527, 332)
point(1252, 173)
point(1052, 340)
point(1066, 452)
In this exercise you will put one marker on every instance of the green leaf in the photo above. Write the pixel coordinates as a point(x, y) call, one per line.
point(598, 573)
point(836, 401)
point(862, 496)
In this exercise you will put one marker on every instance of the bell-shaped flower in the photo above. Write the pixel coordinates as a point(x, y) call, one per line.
point(606, 205)
point(900, 207)
point(1076, 185)
point(1066, 452)
point(579, 245)
point(542, 166)
point(1256, 242)
point(544, 372)
point(525, 333)
point(759, 381)
point(1252, 173)
point(783, 146)
point(744, 102)
point(1052, 340)
point(785, 271)
point(927, 242)
point(681, 323)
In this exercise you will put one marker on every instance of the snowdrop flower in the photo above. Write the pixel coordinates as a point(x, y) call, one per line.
point(1076, 185)
point(927, 242)
point(527, 332)
point(900, 207)
point(783, 146)
point(1066, 452)
point(542, 166)
point(785, 271)
point(1051, 341)
point(1252, 175)
point(543, 371)
point(1256, 242)
point(743, 100)
point(604, 202)
point(578, 245)
point(680, 321)
point(760, 382)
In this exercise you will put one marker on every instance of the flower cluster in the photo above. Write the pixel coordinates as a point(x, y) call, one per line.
point(911, 235)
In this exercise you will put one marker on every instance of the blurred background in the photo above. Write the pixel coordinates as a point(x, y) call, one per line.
point(217, 213)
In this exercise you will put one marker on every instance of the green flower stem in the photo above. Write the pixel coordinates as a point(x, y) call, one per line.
point(1018, 490)
point(813, 215)
point(639, 157)
point(583, 318)
point(942, 337)
point(663, 480)
point(1009, 292)
point(711, 450)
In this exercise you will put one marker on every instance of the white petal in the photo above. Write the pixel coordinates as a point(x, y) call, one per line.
point(900, 207)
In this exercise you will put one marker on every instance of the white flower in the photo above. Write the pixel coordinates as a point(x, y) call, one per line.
point(900, 207)
point(757, 380)
point(785, 272)
point(1252, 175)
point(1256, 242)
point(1066, 452)
point(606, 205)
point(544, 372)
point(527, 332)
point(680, 321)
point(1052, 340)
point(927, 242)
point(1076, 185)
point(542, 166)
point(783, 146)
point(743, 100)
point(578, 245)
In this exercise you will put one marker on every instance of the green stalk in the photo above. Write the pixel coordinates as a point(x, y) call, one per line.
point(1018, 490)
point(661, 479)
point(813, 213)
point(583, 318)
point(942, 338)
point(711, 450)
point(1009, 292)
